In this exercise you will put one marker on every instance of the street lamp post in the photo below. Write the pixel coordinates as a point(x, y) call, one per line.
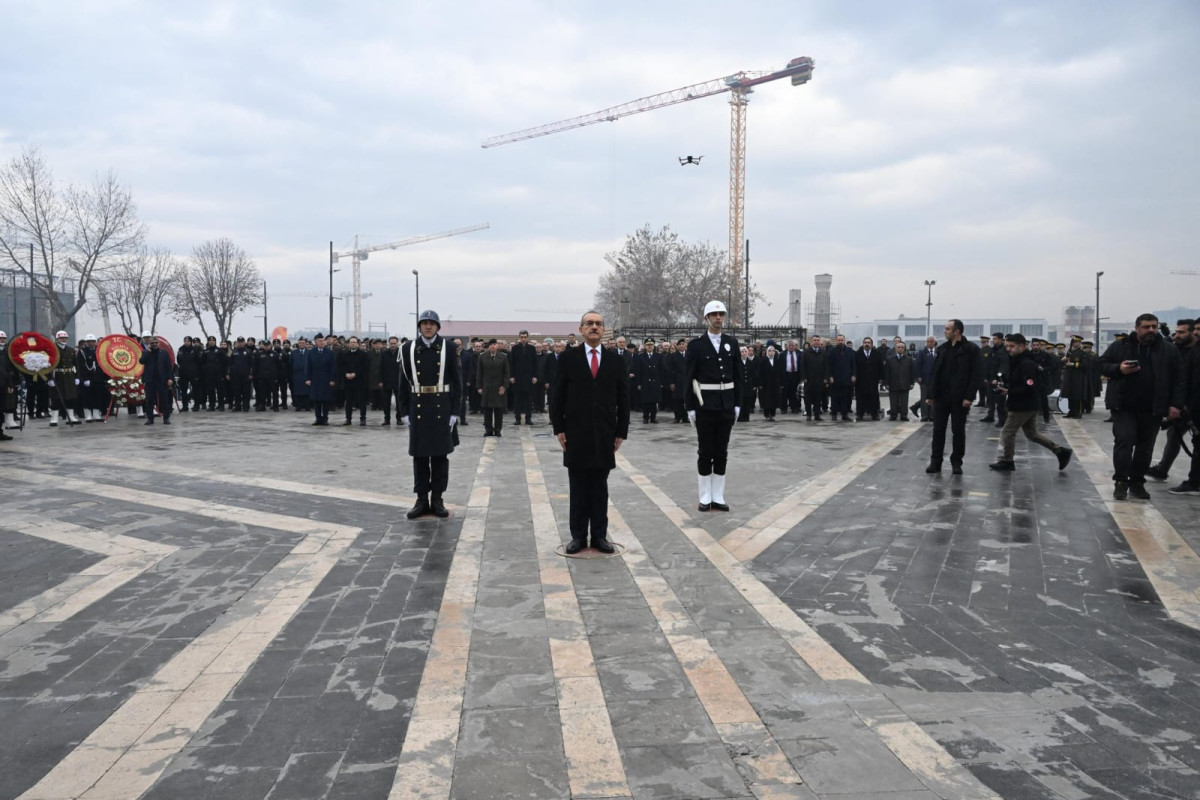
point(928, 306)
point(331, 271)
point(417, 278)
point(1098, 345)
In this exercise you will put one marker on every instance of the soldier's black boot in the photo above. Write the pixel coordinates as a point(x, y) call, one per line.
point(420, 508)
point(438, 507)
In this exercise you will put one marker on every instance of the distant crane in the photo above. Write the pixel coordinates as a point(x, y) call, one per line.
point(343, 296)
point(739, 85)
point(1185, 272)
point(359, 255)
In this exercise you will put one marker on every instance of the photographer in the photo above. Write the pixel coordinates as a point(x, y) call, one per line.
point(1149, 385)
point(1020, 396)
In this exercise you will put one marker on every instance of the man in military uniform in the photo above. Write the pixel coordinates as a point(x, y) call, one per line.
point(431, 393)
point(187, 360)
point(239, 369)
point(995, 374)
point(647, 375)
point(714, 393)
point(11, 377)
point(1076, 378)
point(1089, 397)
point(284, 350)
point(92, 381)
point(675, 368)
point(64, 382)
point(266, 377)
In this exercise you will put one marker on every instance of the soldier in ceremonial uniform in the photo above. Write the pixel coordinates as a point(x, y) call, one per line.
point(1089, 397)
point(187, 360)
point(431, 393)
point(11, 377)
point(647, 372)
point(64, 382)
point(1076, 381)
point(92, 381)
point(240, 367)
point(714, 393)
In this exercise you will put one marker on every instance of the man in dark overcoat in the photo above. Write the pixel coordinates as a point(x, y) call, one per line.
point(842, 377)
point(431, 394)
point(647, 375)
point(868, 369)
point(523, 376)
point(589, 409)
point(491, 381)
point(815, 374)
point(157, 378)
point(320, 378)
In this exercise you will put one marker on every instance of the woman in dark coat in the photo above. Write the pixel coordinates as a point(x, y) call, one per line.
point(767, 378)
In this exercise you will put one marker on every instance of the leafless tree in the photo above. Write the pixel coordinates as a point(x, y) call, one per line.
point(79, 233)
point(219, 279)
point(666, 281)
point(138, 289)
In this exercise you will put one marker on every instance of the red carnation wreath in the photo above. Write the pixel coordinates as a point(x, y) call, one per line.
point(34, 354)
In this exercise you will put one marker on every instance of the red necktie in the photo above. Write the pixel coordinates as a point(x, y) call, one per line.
point(595, 364)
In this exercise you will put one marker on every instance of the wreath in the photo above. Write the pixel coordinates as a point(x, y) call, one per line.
point(127, 391)
point(34, 354)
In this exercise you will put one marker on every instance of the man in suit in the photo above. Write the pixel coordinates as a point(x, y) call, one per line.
point(589, 409)
point(956, 377)
point(522, 375)
point(900, 373)
point(791, 378)
point(714, 396)
point(925, 361)
point(842, 377)
point(320, 376)
point(158, 381)
point(815, 372)
point(868, 371)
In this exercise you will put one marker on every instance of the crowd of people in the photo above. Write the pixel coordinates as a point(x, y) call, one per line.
point(816, 377)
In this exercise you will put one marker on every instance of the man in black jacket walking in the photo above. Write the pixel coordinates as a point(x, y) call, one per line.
point(1149, 385)
point(955, 380)
point(1021, 396)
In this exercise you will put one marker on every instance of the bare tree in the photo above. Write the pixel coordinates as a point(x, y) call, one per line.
point(138, 289)
point(219, 279)
point(79, 234)
point(666, 281)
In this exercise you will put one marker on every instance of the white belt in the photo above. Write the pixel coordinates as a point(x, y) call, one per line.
point(715, 387)
point(433, 389)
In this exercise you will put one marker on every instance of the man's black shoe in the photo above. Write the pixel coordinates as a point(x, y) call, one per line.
point(1138, 490)
point(988, 418)
point(420, 508)
point(316, 423)
point(166, 421)
point(718, 506)
point(1064, 457)
point(1109, 419)
point(603, 545)
point(932, 468)
point(1157, 473)
point(438, 507)
point(703, 507)
point(387, 423)
point(574, 546)
point(183, 410)
point(362, 423)
point(1185, 488)
point(956, 469)
point(4, 437)
point(1003, 466)
point(1121, 491)
point(347, 422)
point(817, 417)
point(915, 408)
point(150, 421)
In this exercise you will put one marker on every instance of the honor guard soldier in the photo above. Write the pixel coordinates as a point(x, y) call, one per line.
point(64, 381)
point(431, 394)
point(713, 379)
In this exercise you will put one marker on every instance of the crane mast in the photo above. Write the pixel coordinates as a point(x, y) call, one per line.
point(739, 85)
point(359, 255)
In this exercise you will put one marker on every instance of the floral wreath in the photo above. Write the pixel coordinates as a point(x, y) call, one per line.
point(127, 391)
point(34, 354)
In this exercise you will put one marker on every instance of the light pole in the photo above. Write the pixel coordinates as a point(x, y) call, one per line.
point(331, 271)
point(417, 277)
point(1099, 346)
point(928, 306)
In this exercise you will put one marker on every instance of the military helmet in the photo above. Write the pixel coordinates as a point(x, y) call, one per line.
point(429, 315)
point(714, 305)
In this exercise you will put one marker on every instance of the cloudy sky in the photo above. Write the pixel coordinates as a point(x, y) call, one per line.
point(1007, 150)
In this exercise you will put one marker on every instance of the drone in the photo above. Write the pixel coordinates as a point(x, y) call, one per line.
point(685, 160)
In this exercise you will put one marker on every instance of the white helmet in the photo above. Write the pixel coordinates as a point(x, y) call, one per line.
point(61, 335)
point(714, 305)
point(3, 335)
point(146, 334)
point(91, 337)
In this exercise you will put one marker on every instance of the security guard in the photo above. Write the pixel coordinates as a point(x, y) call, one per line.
point(431, 393)
point(713, 380)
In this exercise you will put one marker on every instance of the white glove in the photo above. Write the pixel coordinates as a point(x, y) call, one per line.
point(692, 417)
point(77, 381)
point(737, 412)
point(453, 421)
point(50, 383)
point(87, 383)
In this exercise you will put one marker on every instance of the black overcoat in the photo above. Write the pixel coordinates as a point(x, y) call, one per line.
point(429, 431)
point(592, 412)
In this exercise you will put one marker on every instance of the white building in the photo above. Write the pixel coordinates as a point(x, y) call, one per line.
point(912, 329)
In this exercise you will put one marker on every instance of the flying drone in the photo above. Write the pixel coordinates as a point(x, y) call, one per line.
point(685, 160)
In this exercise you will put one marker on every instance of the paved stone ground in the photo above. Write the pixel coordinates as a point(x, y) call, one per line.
point(235, 607)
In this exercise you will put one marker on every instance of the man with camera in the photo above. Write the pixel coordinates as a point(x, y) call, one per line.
point(1020, 396)
point(1148, 382)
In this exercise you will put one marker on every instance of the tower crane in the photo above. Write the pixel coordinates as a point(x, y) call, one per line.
point(359, 255)
point(739, 85)
point(341, 296)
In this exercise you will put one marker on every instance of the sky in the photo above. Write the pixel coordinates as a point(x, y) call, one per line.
point(1008, 150)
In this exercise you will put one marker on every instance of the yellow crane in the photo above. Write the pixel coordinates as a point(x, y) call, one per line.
point(739, 85)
